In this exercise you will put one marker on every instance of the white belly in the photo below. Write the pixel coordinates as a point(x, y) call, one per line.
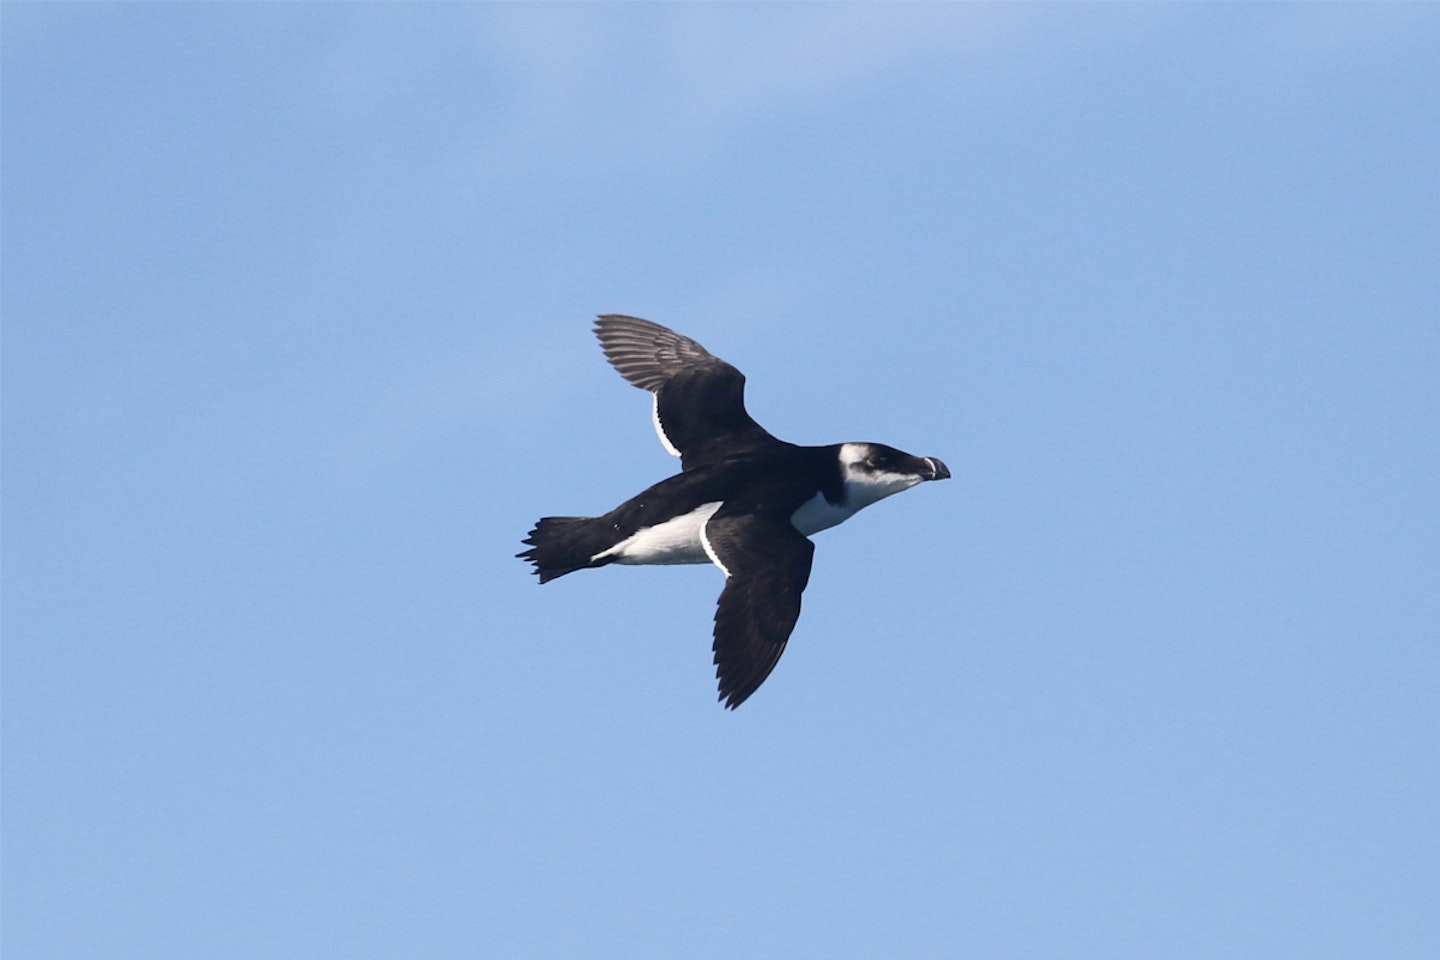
point(675, 541)
point(818, 514)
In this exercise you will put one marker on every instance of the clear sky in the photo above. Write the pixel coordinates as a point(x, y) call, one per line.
point(297, 304)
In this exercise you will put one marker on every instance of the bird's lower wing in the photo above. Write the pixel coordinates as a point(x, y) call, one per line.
point(767, 565)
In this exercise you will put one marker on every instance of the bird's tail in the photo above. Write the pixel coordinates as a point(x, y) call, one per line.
point(560, 545)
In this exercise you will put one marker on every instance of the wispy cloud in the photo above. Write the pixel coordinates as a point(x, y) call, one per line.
point(682, 77)
point(702, 71)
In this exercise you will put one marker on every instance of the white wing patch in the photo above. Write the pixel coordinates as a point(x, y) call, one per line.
point(709, 550)
point(660, 430)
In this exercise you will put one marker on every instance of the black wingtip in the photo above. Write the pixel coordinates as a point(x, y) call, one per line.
point(740, 677)
point(733, 700)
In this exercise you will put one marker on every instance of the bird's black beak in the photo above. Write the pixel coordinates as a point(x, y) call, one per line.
point(934, 469)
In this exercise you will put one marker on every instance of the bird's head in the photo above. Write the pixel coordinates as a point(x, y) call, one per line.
point(873, 471)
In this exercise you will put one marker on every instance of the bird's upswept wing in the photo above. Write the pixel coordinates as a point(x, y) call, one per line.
point(699, 398)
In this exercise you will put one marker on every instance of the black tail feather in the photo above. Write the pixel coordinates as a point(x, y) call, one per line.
point(558, 545)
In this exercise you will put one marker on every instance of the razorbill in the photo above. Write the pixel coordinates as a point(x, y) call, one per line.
point(743, 500)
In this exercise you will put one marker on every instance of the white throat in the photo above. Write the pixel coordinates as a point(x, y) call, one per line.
point(863, 486)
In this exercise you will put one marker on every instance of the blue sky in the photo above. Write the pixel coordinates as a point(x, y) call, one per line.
point(296, 304)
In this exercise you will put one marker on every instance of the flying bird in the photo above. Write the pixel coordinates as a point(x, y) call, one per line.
point(743, 500)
